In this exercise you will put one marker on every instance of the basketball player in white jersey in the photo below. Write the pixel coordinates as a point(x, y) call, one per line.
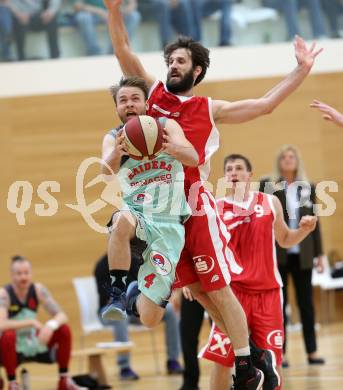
point(254, 220)
point(202, 265)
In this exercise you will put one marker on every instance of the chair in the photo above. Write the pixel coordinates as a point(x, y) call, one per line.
point(88, 298)
point(328, 285)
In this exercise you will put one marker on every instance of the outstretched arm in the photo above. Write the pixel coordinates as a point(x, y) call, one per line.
point(287, 237)
point(330, 114)
point(246, 110)
point(176, 144)
point(129, 62)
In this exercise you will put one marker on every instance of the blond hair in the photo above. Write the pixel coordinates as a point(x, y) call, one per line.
point(300, 174)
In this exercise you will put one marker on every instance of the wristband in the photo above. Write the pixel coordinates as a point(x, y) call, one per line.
point(52, 324)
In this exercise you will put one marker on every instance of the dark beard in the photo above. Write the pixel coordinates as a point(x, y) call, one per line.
point(183, 85)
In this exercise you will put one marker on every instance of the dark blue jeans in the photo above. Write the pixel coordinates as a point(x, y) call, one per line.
point(203, 8)
point(290, 10)
point(6, 28)
point(169, 19)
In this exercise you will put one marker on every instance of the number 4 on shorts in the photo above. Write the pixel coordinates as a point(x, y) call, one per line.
point(149, 279)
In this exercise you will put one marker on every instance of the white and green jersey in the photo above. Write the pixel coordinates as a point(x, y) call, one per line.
point(154, 188)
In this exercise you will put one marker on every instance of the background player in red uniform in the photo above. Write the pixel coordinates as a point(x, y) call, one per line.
point(254, 220)
point(203, 263)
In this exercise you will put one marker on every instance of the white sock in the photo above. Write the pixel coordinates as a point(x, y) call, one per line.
point(242, 351)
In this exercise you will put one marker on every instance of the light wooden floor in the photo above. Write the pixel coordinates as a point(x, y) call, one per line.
point(298, 377)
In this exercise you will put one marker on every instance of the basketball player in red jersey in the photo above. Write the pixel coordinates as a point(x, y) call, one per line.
point(254, 220)
point(203, 264)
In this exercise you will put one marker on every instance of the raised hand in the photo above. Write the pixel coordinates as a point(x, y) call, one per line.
point(330, 114)
point(112, 4)
point(308, 222)
point(304, 55)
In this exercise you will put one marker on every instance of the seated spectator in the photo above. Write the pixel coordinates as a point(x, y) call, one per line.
point(90, 13)
point(120, 328)
point(5, 30)
point(22, 337)
point(171, 15)
point(333, 9)
point(203, 8)
point(290, 9)
point(35, 16)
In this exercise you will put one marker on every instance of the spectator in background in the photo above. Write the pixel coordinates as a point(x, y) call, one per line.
point(192, 315)
point(171, 15)
point(203, 8)
point(297, 197)
point(22, 337)
point(6, 28)
point(90, 13)
point(35, 15)
point(120, 328)
point(333, 9)
point(290, 10)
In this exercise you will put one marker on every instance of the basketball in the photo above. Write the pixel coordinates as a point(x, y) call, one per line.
point(144, 137)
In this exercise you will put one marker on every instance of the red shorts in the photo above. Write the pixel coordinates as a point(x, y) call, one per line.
point(206, 254)
point(265, 323)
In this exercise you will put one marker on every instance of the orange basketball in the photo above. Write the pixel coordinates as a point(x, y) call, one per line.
point(144, 137)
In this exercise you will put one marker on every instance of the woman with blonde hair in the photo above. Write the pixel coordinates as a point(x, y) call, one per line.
point(297, 196)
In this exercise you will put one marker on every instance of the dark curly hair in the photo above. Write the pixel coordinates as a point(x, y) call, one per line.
point(200, 54)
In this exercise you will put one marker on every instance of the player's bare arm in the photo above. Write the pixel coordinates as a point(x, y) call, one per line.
point(6, 323)
point(246, 110)
point(329, 113)
point(58, 317)
point(176, 144)
point(287, 237)
point(50, 305)
point(129, 62)
point(113, 149)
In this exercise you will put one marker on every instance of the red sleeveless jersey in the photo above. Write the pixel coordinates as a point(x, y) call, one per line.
point(194, 114)
point(251, 225)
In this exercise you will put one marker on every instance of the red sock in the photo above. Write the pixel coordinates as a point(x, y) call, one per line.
point(8, 353)
point(62, 340)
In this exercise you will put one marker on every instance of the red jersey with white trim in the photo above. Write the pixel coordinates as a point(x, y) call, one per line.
point(194, 114)
point(251, 226)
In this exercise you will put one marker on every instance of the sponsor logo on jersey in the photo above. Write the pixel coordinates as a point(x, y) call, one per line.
point(220, 344)
point(215, 278)
point(203, 264)
point(148, 166)
point(142, 198)
point(275, 339)
point(162, 265)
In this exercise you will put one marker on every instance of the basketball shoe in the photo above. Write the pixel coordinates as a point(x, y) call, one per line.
point(264, 359)
point(115, 310)
point(13, 385)
point(252, 381)
point(131, 298)
point(66, 383)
